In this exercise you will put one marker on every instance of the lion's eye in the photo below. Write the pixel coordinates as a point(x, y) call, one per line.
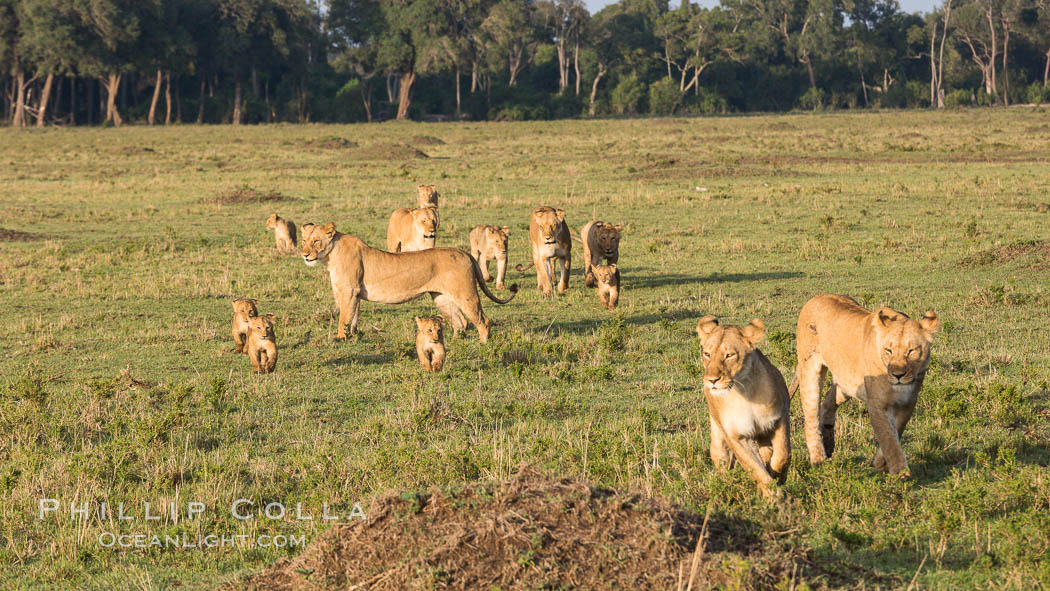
point(706, 354)
point(730, 355)
point(888, 351)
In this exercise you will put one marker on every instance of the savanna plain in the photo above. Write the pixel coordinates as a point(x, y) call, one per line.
point(121, 250)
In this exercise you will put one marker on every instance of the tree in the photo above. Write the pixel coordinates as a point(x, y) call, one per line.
point(565, 19)
point(510, 35)
point(354, 28)
point(975, 26)
point(691, 42)
point(410, 45)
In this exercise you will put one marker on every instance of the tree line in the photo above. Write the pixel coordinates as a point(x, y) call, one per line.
point(76, 62)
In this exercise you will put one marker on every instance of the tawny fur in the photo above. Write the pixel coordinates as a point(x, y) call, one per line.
point(430, 343)
point(243, 311)
point(491, 243)
point(608, 281)
point(747, 401)
point(359, 272)
point(551, 241)
point(284, 234)
point(262, 344)
point(877, 357)
point(601, 242)
point(412, 229)
point(428, 196)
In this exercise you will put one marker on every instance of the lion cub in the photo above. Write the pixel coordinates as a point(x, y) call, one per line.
point(608, 277)
point(243, 311)
point(262, 344)
point(428, 196)
point(487, 243)
point(430, 343)
point(284, 234)
point(747, 400)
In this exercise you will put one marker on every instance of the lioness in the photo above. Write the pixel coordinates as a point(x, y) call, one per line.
point(359, 272)
point(243, 311)
point(262, 344)
point(430, 343)
point(601, 240)
point(550, 239)
point(283, 233)
point(428, 196)
point(608, 277)
point(747, 400)
point(487, 243)
point(878, 357)
point(412, 229)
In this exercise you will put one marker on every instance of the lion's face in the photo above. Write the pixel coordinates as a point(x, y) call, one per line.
point(430, 328)
point(245, 308)
point(317, 242)
point(904, 344)
point(609, 238)
point(272, 222)
point(725, 351)
point(500, 237)
point(605, 274)
point(262, 327)
point(550, 224)
point(426, 222)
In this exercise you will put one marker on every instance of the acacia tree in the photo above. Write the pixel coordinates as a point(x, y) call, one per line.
point(410, 45)
point(975, 26)
point(691, 42)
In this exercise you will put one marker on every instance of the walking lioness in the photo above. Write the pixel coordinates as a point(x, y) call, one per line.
point(601, 241)
point(550, 239)
point(490, 243)
point(747, 400)
point(878, 357)
point(359, 272)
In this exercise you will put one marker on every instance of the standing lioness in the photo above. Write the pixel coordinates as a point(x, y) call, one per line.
point(550, 239)
point(878, 357)
point(747, 400)
point(412, 229)
point(359, 272)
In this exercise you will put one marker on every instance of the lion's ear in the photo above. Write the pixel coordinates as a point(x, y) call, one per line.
point(886, 315)
point(440, 319)
point(306, 227)
point(618, 227)
point(329, 229)
point(419, 322)
point(754, 332)
point(560, 213)
point(270, 317)
point(613, 267)
point(706, 325)
point(930, 322)
point(506, 230)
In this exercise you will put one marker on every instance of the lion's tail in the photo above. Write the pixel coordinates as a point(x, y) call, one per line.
point(485, 287)
point(526, 267)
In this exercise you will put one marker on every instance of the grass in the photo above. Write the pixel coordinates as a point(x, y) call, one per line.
point(117, 382)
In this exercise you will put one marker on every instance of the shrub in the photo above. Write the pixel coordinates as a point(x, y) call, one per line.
point(664, 97)
point(627, 96)
point(959, 97)
point(1037, 94)
point(813, 99)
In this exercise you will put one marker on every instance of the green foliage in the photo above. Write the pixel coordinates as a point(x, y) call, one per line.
point(627, 96)
point(664, 97)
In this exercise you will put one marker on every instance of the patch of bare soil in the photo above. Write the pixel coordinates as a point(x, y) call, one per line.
point(1039, 250)
point(246, 195)
point(529, 532)
point(427, 140)
point(391, 151)
point(331, 142)
point(17, 236)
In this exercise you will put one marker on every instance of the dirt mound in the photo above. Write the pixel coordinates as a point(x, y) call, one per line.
point(391, 151)
point(1039, 250)
point(17, 236)
point(331, 143)
point(526, 533)
point(245, 195)
point(427, 140)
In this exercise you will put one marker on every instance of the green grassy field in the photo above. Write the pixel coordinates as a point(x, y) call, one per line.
point(127, 284)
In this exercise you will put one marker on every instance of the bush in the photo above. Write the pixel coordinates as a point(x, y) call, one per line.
point(959, 97)
point(813, 99)
point(627, 96)
point(1037, 94)
point(664, 97)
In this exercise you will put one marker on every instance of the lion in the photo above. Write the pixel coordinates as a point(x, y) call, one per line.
point(600, 240)
point(284, 233)
point(877, 357)
point(747, 400)
point(608, 278)
point(262, 344)
point(430, 343)
point(359, 272)
point(412, 229)
point(487, 243)
point(428, 196)
point(550, 239)
point(243, 311)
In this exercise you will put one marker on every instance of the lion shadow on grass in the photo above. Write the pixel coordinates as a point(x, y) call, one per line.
point(658, 280)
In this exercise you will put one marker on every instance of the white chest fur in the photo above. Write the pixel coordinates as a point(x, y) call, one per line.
point(743, 417)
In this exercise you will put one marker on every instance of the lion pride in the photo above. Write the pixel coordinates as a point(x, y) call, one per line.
point(359, 272)
point(550, 240)
point(879, 358)
point(412, 229)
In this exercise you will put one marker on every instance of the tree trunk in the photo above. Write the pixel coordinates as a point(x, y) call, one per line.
point(237, 101)
point(112, 85)
point(514, 66)
point(167, 97)
point(200, 105)
point(940, 57)
point(72, 100)
point(863, 86)
point(19, 117)
point(366, 98)
point(473, 76)
point(1046, 70)
point(151, 118)
point(45, 96)
point(1006, 72)
point(933, 66)
point(809, 67)
point(404, 95)
point(457, 92)
point(594, 87)
point(576, 64)
point(991, 59)
point(389, 88)
point(563, 66)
